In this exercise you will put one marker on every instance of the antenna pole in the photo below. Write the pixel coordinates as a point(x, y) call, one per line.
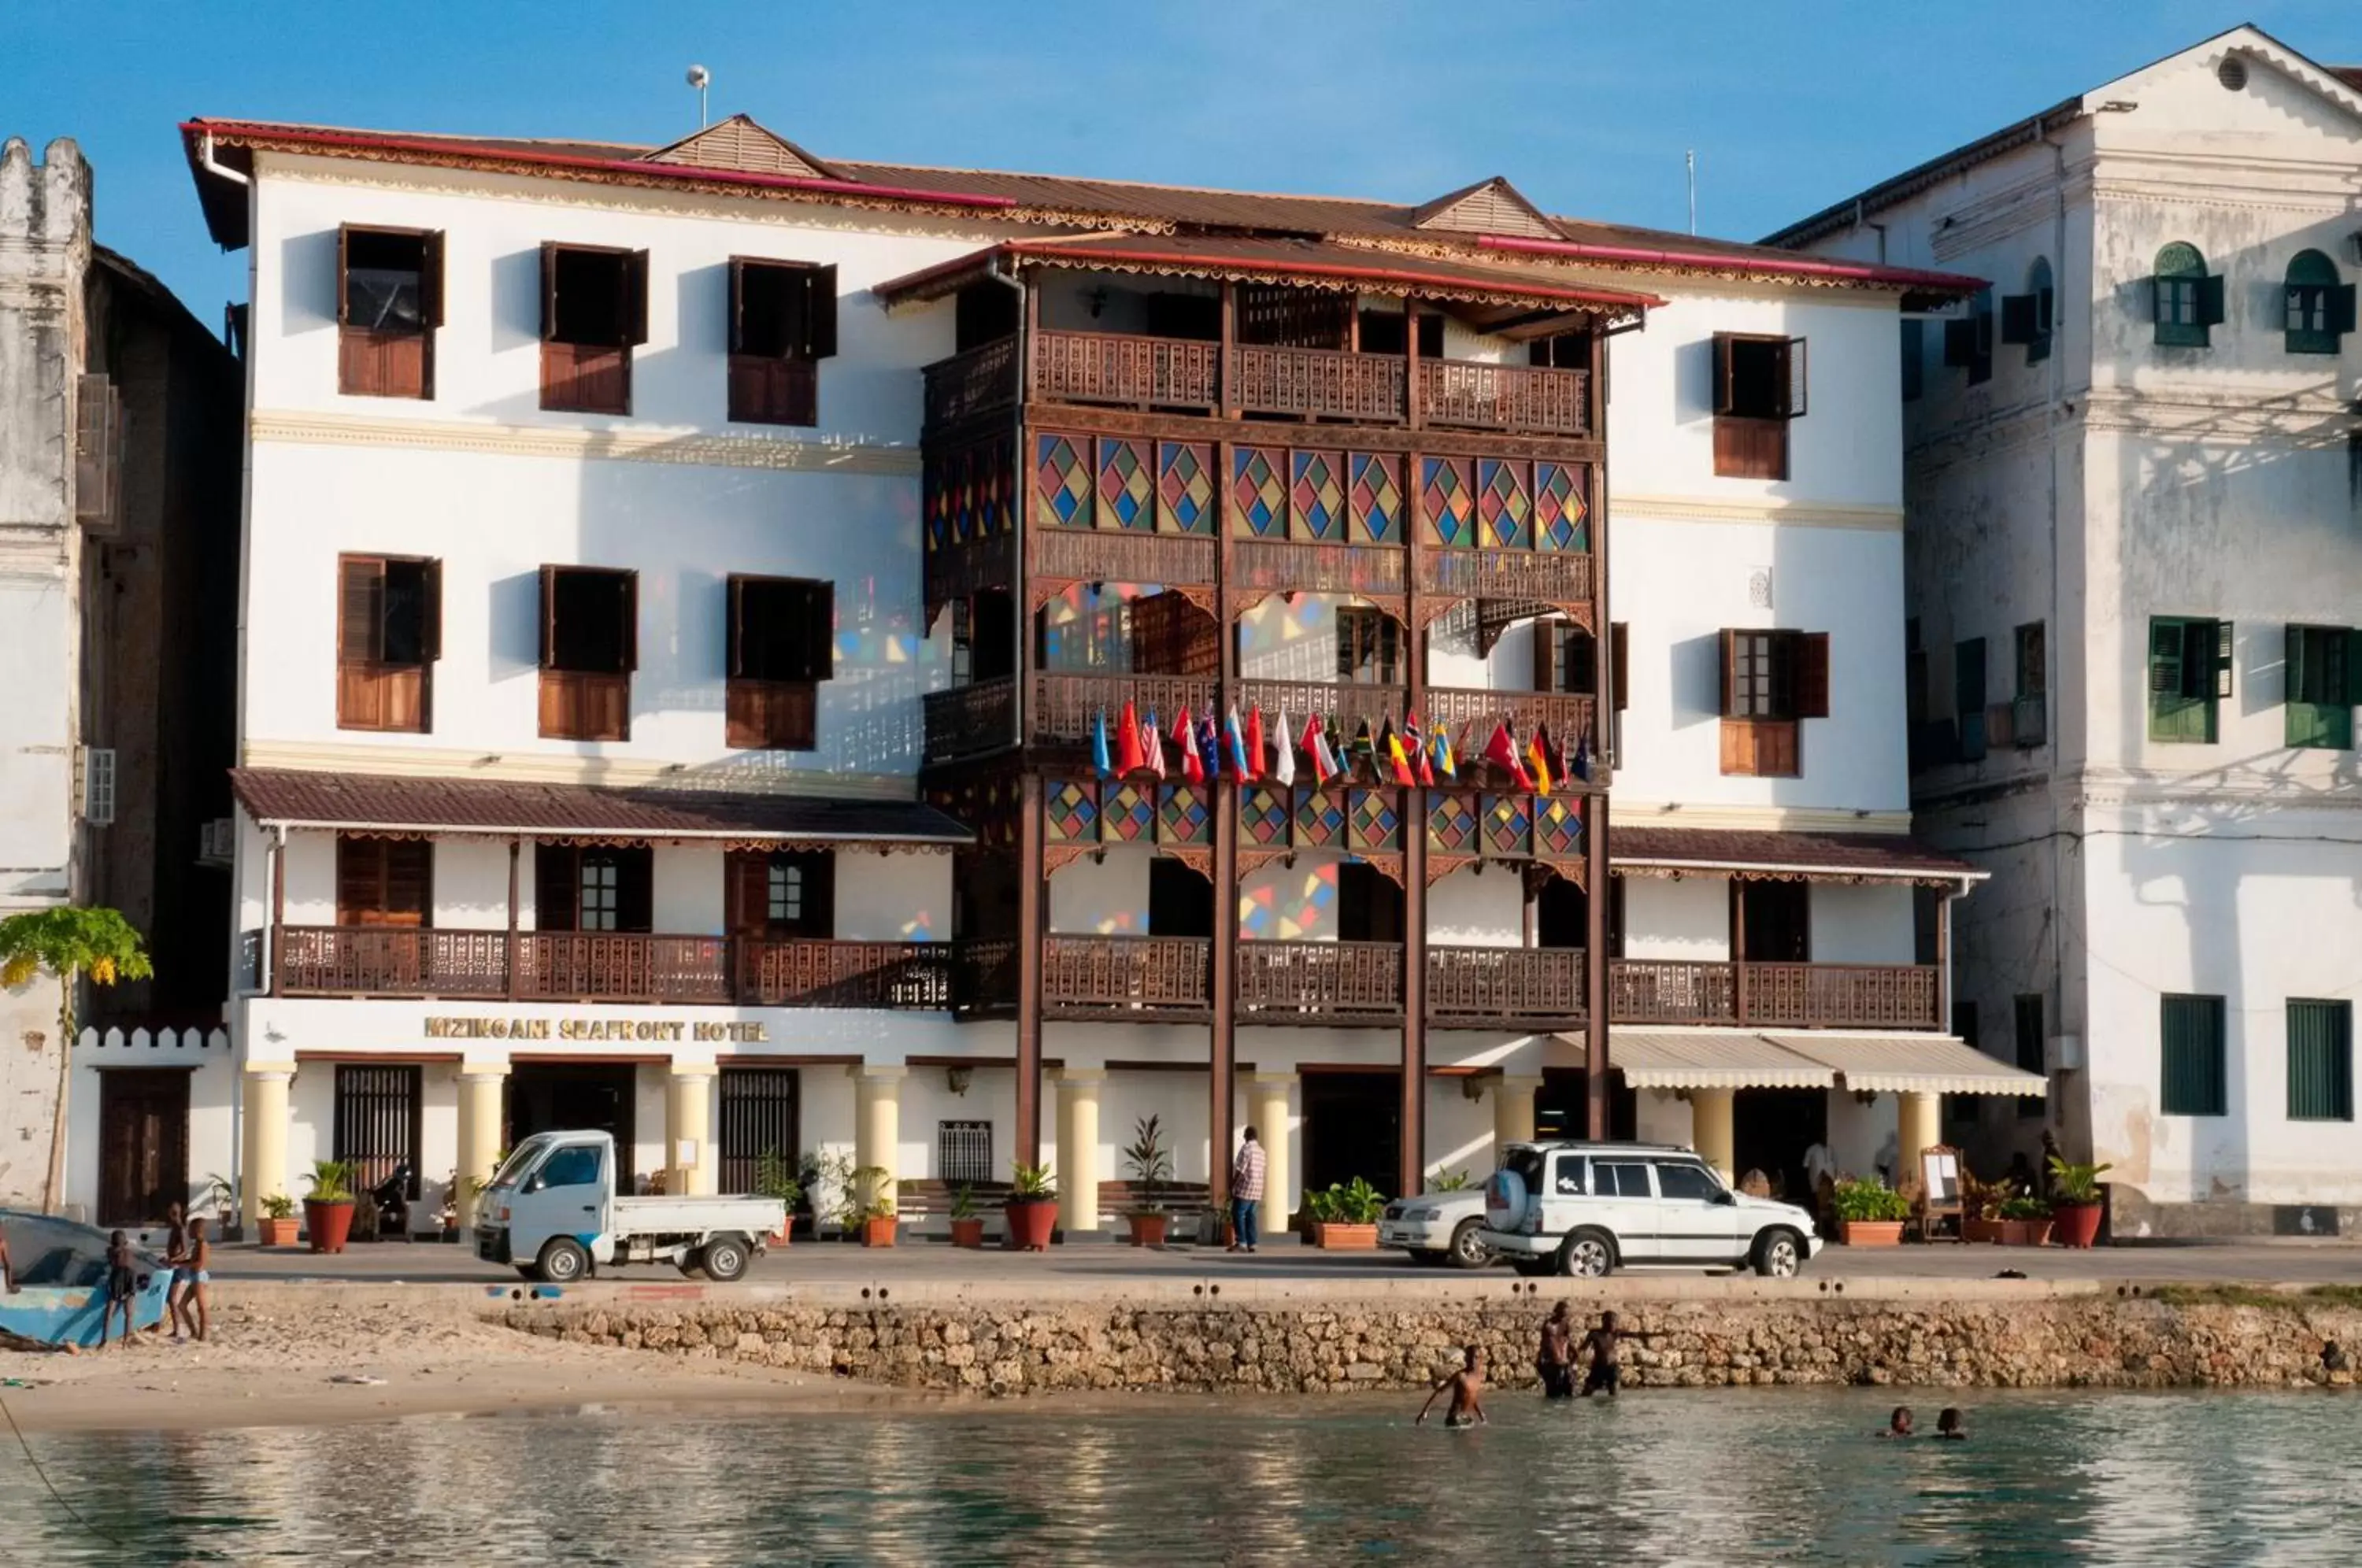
point(703, 121)
point(1689, 159)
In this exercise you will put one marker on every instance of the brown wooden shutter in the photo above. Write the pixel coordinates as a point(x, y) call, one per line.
point(430, 279)
point(1791, 385)
point(747, 884)
point(361, 880)
point(737, 305)
point(820, 894)
point(549, 617)
point(360, 618)
point(1722, 376)
point(632, 302)
point(635, 890)
point(549, 250)
point(409, 882)
point(430, 612)
point(630, 598)
point(1729, 673)
point(820, 312)
point(556, 887)
point(344, 275)
point(1812, 675)
point(1619, 690)
point(1546, 665)
point(734, 646)
point(820, 632)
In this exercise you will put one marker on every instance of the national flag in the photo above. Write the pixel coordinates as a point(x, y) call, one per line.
point(1235, 739)
point(1415, 742)
point(1152, 741)
point(1364, 749)
point(1255, 754)
point(1316, 746)
point(1447, 764)
point(1283, 767)
point(1501, 751)
point(1099, 744)
point(1394, 762)
point(1129, 758)
point(1582, 764)
point(1185, 735)
point(1209, 743)
point(1538, 759)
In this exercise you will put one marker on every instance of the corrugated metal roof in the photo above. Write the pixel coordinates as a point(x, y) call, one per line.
point(1723, 1058)
point(1912, 1064)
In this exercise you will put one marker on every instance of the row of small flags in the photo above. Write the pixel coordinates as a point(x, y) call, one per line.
point(1407, 755)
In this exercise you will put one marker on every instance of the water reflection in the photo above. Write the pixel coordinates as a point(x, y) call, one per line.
point(1783, 1475)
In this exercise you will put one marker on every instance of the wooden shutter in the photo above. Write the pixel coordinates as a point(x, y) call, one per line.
point(344, 275)
point(820, 630)
point(2165, 658)
point(549, 616)
point(635, 890)
point(360, 618)
point(430, 612)
point(1789, 385)
point(746, 887)
point(737, 305)
point(2337, 658)
point(628, 599)
point(1619, 689)
point(556, 887)
point(2018, 313)
point(430, 279)
point(549, 250)
point(2221, 661)
point(632, 299)
point(1546, 660)
point(2210, 301)
point(1729, 673)
point(734, 634)
point(818, 313)
point(1722, 376)
point(409, 882)
point(2341, 308)
point(1812, 675)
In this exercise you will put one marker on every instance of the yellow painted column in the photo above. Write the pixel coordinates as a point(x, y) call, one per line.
point(1271, 1120)
point(1710, 1130)
point(877, 1125)
point(479, 1132)
point(1513, 1112)
point(1919, 1126)
point(1078, 1148)
point(263, 1162)
point(693, 1164)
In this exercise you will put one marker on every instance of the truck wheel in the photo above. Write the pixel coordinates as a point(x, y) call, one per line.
point(562, 1261)
point(725, 1258)
point(1468, 1249)
point(1778, 1254)
point(1588, 1255)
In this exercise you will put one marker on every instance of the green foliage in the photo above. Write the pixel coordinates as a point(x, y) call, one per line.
point(97, 944)
point(2074, 1183)
point(1148, 1162)
point(1869, 1201)
point(221, 1195)
point(1032, 1184)
point(1346, 1203)
point(331, 1181)
point(2027, 1207)
point(775, 1176)
point(963, 1202)
point(278, 1206)
point(1452, 1181)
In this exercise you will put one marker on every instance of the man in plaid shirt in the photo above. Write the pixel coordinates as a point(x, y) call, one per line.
point(1246, 1192)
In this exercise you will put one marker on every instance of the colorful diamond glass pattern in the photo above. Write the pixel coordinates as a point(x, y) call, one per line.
point(1181, 814)
point(1377, 820)
point(1185, 487)
point(1127, 491)
point(1449, 500)
point(1557, 828)
point(1073, 811)
point(1258, 494)
point(939, 504)
point(1315, 494)
point(1320, 817)
point(1509, 825)
point(1376, 498)
point(1503, 504)
point(1263, 815)
point(1559, 522)
point(1128, 814)
point(1451, 825)
point(1061, 482)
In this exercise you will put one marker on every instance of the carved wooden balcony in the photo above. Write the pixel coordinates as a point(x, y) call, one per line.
point(1520, 399)
point(1110, 554)
point(1793, 995)
point(1067, 708)
point(1377, 571)
point(971, 720)
point(1567, 715)
point(977, 382)
point(1320, 982)
point(1318, 383)
point(1143, 978)
point(1561, 579)
point(1505, 987)
point(1121, 368)
point(1348, 703)
point(390, 961)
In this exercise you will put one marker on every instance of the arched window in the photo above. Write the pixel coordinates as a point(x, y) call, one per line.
point(2320, 309)
point(2027, 318)
point(2187, 300)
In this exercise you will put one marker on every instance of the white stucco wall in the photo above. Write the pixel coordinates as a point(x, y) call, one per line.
point(1870, 923)
point(1689, 918)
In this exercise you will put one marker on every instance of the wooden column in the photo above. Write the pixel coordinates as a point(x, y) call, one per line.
point(1414, 994)
point(1595, 965)
point(1225, 398)
point(1032, 903)
point(1223, 1052)
point(1944, 961)
point(516, 851)
point(1738, 945)
point(1412, 412)
point(277, 851)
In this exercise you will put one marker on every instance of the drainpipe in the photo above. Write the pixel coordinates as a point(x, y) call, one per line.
point(215, 166)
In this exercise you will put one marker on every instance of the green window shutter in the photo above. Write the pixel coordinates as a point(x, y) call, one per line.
point(2220, 686)
point(2210, 301)
point(2320, 710)
point(2193, 1067)
point(2183, 676)
point(2320, 1061)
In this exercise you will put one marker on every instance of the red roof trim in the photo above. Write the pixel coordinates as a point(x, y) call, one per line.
point(1709, 261)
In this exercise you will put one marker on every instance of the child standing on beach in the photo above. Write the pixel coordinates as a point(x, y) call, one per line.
point(119, 1286)
point(1467, 1385)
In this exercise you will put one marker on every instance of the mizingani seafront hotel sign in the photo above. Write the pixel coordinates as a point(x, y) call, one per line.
point(651, 1030)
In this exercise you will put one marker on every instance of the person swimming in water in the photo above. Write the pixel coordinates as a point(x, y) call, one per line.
point(1606, 1359)
point(1467, 1385)
point(1898, 1425)
point(1953, 1424)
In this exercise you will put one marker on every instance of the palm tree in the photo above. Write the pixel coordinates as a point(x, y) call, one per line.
point(99, 945)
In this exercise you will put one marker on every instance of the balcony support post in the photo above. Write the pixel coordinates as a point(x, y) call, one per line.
point(1414, 995)
point(509, 951)
point(1222, 1053)
point(1943, 960)
point(277, 850)
point(1412, 412)
point(1032, 903)
point(1738, 947)
point(1594, 965)
point(1225, 379)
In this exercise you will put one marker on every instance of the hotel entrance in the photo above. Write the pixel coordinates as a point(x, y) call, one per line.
point(1352, 1126)
point(1770, 1130)
point(576, 1097)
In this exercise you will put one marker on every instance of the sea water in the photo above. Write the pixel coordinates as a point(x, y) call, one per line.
point(1660, 1476)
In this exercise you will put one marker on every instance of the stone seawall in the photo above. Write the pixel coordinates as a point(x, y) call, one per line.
point(2092, 1341)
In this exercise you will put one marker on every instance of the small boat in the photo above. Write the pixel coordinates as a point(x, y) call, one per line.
point(60, 1268)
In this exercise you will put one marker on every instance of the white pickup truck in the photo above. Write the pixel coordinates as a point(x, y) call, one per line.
point(552, 1210)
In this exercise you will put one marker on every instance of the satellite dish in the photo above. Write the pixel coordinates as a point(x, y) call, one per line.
point(699, 77)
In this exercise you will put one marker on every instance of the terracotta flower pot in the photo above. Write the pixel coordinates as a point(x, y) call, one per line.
point(968, 1233)
point(1148, 1230)
point(878, 1230)
point(2078, 1223)
point(1869, 1232)
point(279, 1232)
point(330, 1224)
point(2034, 1232)
point(1990, 1230)
point(1332, 1237)
point(1030, 1221)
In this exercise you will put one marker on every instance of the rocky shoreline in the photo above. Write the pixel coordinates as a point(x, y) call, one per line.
point(2172, 1339)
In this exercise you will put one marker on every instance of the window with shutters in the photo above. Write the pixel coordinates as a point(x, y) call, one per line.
point(782, 642)
point(1566, 658)
point(1969, 339)
point(2026, 318)
point(782, 893)
point(1770, 679)
point(2186, 300)
point(2028, 1018)
point(759, 1116)
point(594, 312)
point(593, 887)
point(2192, 1049)
point(389, 635)
point(384, 881)
point(1369, 647)
point(389, 303)
point(2189, 673)
point(782, 325)
point(2030, 701)
point(1759, 387)
point(2321, 687)
point(2320, 1061)
point(1969, 697)
point(964, 1152)
point(589, 646)
point(2318, 305)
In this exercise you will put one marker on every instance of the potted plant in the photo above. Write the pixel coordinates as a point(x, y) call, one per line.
point(2026, 1221)
point(775, 1176)
point(967, 1225)
point(328, 1208)
point(2075, 1200)
point(1981, 1208)
point(1345, 1217)
point(1869, 1214)
point(1148, 1164)
point(865, 1206)
point(1032, 1209)
point(1452, 1181)
point(278, 1225)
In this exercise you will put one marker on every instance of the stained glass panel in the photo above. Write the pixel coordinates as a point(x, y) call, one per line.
point(1508, 824)
point(1451, 825)
point(1376, 819)
point(1128, 814)
point(1503, 505)
point(1127, 490)
point(1258, 493)
point(1557, 828)
point(1072, 808)
point(1315, 494)
point(1449, 500)
point(1376, 498)
point(1263, 815)
point(1561, 522)
point(1320, 817)
point(1185, 487)
point(1062, 481)
point(1181, 814)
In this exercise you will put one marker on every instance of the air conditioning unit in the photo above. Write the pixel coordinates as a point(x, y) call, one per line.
point(2065, 1054)
point(95, 786)
point(217, 841)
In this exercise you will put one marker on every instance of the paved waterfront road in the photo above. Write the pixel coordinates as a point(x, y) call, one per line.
point(934, 1263)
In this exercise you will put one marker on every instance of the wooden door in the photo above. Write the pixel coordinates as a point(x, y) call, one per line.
point(143, 1143)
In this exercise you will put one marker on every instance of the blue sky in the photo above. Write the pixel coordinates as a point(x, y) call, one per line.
point(1587, 107)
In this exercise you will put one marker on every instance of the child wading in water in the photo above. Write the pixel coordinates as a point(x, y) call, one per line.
point(1466, 1384)
point(119, 1286)
point(1556, 1358)
point(190, 1311)
point(1606, 1365)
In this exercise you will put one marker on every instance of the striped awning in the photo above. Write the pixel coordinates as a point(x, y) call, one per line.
point(1912, 1064)
point(1720, 1058)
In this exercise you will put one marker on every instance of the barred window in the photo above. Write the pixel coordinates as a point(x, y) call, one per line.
point(2192, 1067)
point(964, 1152)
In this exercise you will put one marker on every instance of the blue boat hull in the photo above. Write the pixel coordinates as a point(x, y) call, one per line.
point(60, 1269)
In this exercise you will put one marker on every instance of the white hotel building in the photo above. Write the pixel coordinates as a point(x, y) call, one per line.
point(681, 586)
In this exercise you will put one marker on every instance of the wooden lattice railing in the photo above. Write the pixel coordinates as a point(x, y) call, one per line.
point(1508, 985)
point(1127, 974)
point(1287, 982)
point(966, 720)
point(977, 382)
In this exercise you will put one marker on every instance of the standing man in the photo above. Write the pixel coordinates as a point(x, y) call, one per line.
point(1556, 1361)
point(1246, 1192)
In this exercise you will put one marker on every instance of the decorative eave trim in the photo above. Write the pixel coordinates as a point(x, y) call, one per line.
point(635, 444)
point(1803, 515)
point(739, 773)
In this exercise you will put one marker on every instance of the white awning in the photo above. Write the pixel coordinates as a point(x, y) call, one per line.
point(1911, 1064)
point(1719, 1058)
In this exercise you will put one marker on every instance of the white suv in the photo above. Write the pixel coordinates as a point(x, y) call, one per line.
point(1589, 1208)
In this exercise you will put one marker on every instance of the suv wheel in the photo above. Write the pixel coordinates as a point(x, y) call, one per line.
point(1587, 1254)
point(1468, 1249)
point(1778, 1254)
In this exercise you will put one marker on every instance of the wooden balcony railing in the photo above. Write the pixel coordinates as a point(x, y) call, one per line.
point(903, 975)
point(1299, 568)
point(1568, 716)
point(1066, 708)
point(1128, 370)
point(1536, 576)
point(1795, 996)
point(1164, 976)
point(966, 721)
point(1320, 982)
point(1507, 986)
point(1347, 702)
point(376, 960)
